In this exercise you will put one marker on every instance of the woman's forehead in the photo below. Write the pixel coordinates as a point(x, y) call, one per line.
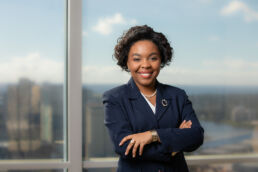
point(144, 46)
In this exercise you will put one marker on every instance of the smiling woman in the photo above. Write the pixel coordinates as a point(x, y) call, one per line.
point(150, 124)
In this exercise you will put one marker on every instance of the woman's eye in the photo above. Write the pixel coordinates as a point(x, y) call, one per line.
point(136, 59)
point(154, 58)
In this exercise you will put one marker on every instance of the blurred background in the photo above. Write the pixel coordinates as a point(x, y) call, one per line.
point(215, 61)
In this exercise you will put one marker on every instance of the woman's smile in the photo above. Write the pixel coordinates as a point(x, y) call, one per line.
point(145, 74)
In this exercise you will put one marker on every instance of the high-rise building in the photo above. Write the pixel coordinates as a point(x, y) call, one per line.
point(23, 117)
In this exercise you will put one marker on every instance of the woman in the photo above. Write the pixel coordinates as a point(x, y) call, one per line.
point(150, 124)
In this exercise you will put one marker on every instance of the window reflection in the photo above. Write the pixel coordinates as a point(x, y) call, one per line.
point(32, 120)
point(96, 138)
point(230, 119)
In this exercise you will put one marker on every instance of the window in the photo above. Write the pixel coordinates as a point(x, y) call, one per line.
point(215, 61)
point(32, 80)
point(51, 114)
point(38, 40)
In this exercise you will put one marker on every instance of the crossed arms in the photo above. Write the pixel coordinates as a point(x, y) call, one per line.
point(188, 137)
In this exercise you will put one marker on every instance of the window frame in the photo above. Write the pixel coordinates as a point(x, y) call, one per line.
point(72, 101)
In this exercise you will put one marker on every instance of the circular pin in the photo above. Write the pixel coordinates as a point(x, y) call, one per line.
point(164, 102)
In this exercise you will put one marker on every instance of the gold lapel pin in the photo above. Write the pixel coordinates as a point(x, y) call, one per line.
point(164, 102)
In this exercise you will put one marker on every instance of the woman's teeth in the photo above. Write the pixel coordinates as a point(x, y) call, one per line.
point(145, 74)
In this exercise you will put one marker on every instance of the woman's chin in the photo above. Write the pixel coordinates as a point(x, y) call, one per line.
point(146, 83)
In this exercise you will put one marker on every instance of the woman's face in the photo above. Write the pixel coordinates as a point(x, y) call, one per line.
point(144, 63)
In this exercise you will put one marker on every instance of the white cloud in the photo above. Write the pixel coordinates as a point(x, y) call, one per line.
point(105, 25)
point(214, 38)
point(104, 74)
point(32, 66)
point(225, 72)
point(233, 64)
point(240, 7)
point(229, 71)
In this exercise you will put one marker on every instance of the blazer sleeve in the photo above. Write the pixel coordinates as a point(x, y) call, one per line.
point(189, 139)
point(119, 126)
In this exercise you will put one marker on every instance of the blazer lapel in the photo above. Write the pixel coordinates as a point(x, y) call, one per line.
point(162, 101)
point(138, 100)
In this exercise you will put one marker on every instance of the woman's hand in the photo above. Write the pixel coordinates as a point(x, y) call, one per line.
point(137, 140)
point(185, 124)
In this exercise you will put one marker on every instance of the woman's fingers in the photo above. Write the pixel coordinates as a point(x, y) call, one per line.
point(182, 124)
point(135, 147)
point(141, 149)
point(130, 145)
point(125, 139)
point(189, 124)
point(136, 141)
point(185, 124)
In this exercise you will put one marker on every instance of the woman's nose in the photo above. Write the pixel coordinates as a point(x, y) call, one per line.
point(146, 64)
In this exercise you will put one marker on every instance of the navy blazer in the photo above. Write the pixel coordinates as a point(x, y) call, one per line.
point(127, 112)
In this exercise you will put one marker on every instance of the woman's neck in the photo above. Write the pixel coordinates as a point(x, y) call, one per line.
point(147, 90)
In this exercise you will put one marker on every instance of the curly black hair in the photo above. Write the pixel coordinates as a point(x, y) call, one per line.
point(138, 33)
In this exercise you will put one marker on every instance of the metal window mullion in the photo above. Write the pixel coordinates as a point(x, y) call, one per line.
point(74, 85)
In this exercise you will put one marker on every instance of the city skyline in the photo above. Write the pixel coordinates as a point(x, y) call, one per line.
point(32, 114)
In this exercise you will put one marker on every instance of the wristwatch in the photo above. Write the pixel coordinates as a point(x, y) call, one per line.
point(155, 136)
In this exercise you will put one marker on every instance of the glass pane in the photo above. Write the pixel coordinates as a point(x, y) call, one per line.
point(229, 119)
point(32, 61)
point(215, 61)
point(96, 140)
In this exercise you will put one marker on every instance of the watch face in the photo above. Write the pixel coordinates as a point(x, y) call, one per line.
point(154, 136)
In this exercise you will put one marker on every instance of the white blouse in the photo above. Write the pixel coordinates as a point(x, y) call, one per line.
point(153, 108)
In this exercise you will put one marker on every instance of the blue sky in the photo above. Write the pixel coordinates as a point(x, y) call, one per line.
point(215, 41)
